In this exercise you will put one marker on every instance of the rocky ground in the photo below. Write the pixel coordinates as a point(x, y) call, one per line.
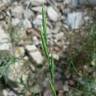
point(23, 67)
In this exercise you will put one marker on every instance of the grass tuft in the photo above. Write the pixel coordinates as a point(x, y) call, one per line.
point(46, 52)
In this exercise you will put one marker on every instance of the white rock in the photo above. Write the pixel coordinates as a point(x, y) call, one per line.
point(19, 52)
point(38, 20)
point(17, 71)
point(4, 40)
point(67, 1)
point(30, 48)
point(15, 21)
point(38, 2)
point(37, 9)
point(28, 14)
point(52, 14)
point(17, 11)
point(36, 41)
point(7, 92)
point(7, 1)
point(75, 19)
point(34, 53)
point(26, 24)
point(55, 56)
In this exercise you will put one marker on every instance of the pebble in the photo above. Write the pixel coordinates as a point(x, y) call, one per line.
point(59, 36)
point(36, 41)
point(19, 52)
point(26, 24)
point(55, 56)
point(52, 14)
point(7, 1)
point(38, 2)
point(28, 14)
point(18, 71)
point(38, 21)
point(15, 21)
point(4, 40)
point(75, 20)
point(34, 53)
point(66, 88)
point(17, 11)
point(7, 92)
point(37, 9)
point(36, 89)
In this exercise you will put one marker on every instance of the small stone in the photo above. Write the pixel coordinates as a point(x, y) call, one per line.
point(38, 2)
point(55, 56)
point(34, 53)
point(19, 52)
point(52, 14)
point(36, 89)
point(75, 20)
point(17, 71)
point(26, 24)
point(66, 88)
point(4, 40)
point(67, 2)
point(7, 92)
point(7, 1)
point(59, 36)
point(26, 58)
point(37, 21)
point(36, 41)
point(37, 9)
point(2, 15)
point(37, 57)
point(15, 21)
point(28, 14)
point(17, 11)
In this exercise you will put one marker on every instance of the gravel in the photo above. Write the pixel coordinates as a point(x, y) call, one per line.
point(24, 19)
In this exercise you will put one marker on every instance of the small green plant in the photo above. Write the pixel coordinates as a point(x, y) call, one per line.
point(6, 60)
point(47, 53)
point(85, 56)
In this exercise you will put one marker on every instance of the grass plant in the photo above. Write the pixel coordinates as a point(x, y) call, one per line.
point(46, 51)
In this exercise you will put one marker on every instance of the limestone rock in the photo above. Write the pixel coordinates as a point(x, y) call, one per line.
point(15, 21)
point(34, 53)
point(17, 71)
point(4, 40)
point(38, 2)
point(38, 21)
point(19, 52)
point(17, 11)
point(26, 24)
point(75, 19)
point(52, 14)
